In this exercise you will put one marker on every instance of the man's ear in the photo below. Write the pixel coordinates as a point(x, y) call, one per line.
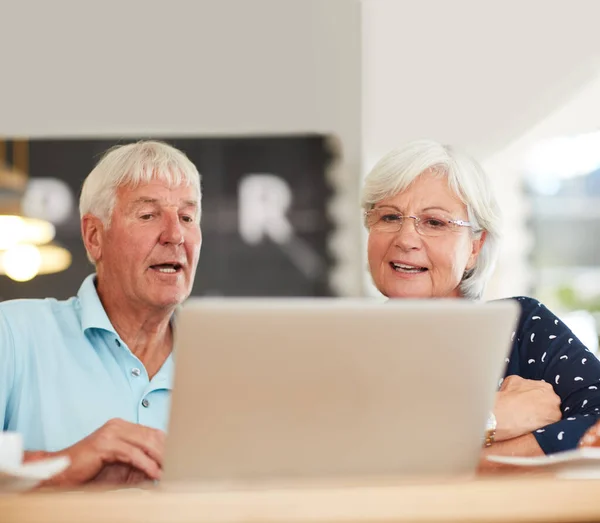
point(92, 232)
point(477, 244)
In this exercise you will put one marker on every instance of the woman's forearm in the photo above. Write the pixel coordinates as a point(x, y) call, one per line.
point(525, 445)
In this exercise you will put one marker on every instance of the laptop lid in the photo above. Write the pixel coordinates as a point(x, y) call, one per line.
point(287, 389)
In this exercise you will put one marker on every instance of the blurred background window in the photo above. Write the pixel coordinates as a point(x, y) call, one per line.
point(562, 180)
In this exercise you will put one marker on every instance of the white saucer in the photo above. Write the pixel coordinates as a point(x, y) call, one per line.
point(28, 475)
point(581, 463)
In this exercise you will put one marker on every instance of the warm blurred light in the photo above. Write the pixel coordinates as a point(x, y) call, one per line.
point(18, 229)
point(54, 259)
point(24, 261)
point(25, 248)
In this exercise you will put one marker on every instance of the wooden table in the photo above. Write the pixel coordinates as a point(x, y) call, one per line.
point(513, 499)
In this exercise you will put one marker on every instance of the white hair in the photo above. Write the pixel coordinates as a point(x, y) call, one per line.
point(131, 165)
point(401, 166)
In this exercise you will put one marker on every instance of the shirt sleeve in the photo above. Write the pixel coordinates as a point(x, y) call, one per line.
point(7, 370)
point(552, 353)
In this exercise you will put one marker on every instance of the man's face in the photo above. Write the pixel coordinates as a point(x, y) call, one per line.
point(149, 253)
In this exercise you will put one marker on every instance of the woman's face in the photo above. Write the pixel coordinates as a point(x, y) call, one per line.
point(406, 264)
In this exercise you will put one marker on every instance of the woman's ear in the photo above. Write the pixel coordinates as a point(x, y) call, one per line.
point(476, 246)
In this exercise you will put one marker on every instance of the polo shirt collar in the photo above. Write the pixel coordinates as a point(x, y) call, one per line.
point(164, 377)
point(93, 315)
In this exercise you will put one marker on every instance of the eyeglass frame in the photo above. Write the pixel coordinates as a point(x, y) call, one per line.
point(458, 223)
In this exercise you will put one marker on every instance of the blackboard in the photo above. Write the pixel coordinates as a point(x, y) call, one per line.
point(239, 257)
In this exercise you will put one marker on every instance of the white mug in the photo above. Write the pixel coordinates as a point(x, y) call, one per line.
point(11, 449)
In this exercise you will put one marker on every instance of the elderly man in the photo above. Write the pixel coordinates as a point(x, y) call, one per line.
point(90, 377)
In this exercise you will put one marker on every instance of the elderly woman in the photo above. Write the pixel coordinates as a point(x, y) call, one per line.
point(434, 231)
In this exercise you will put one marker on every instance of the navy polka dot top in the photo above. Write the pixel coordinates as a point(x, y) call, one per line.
point(544, 348)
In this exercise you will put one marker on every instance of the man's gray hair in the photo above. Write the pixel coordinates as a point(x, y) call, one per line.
point(401, 166)
point(131, 165)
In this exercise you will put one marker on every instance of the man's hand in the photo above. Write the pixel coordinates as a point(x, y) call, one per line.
point(523, 406)
point(118, 452)
point(121, 474)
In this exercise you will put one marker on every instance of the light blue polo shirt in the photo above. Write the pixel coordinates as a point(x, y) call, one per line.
point(64, 372)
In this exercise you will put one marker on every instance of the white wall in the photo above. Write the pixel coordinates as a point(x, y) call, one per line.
point(471, 72)
point(215, 67)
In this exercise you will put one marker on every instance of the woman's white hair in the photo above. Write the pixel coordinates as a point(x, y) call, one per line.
point(131, 165)
point(134, 164)
point(401, 166)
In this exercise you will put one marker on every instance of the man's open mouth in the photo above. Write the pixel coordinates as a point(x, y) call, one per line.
point(409, 269)
point(167, 268)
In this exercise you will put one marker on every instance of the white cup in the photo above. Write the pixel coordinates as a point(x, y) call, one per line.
point(11, 449)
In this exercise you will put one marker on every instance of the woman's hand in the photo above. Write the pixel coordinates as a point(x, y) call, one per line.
point(592, 436)
point(523, 406)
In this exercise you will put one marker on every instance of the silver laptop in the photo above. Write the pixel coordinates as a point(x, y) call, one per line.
point(279, 390)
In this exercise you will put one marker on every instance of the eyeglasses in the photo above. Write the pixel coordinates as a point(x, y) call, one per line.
point(384, 219)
